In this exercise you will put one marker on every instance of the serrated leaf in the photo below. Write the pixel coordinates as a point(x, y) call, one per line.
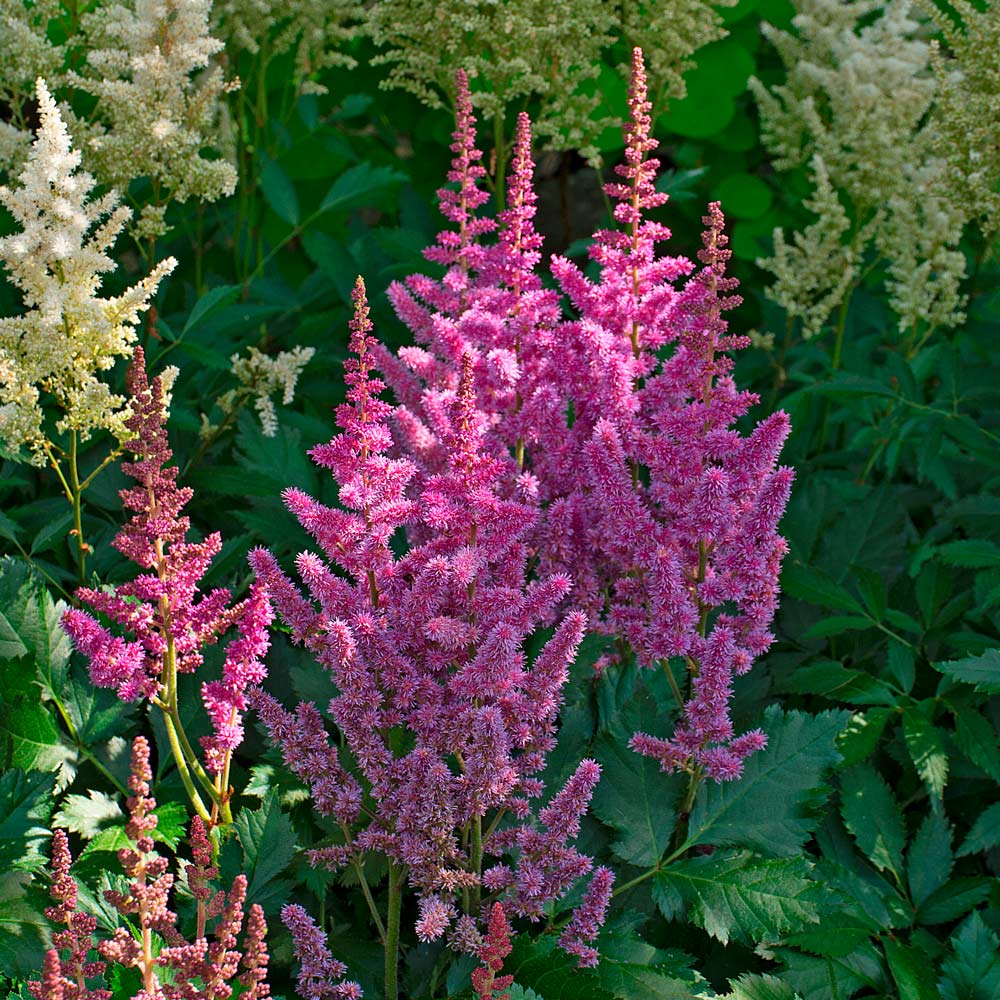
point(268, 843)
point(35, 743)
point(737, 895)
point(172, 822)
point(836, 624)
point(872, 815)
point(985, 832)
point(772, 808)
point(954, 900)
point(983, 671)
point(26, 801)
point(88, 814)
point(208, 304)
point(911, 969)
point(808, 583)
point(926, 745)
point(972, 553)
point(836, 978)
point(538, 964)
point(861, 735)
point(977, 739)
point(24, 930)
point(629, 981)
point(751, 987)
point(972, 970)
point(637, 800)
point(929, 859)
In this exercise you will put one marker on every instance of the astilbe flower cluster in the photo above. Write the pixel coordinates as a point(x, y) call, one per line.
point(170, 617)
point(650, 500)
point(680, 509)
point(440, 711)
point(321, 976)
point(496, 947)
point(171, 967)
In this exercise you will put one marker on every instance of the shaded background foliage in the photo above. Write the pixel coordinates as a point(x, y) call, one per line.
point(857, 856)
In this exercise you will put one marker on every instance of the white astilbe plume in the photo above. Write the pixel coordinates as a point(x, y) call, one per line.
point(149, 64)
point(260, 378)
point(68, 333)
point(858, 94)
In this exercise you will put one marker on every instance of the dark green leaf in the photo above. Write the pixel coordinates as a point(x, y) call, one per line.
point(537, 964)
point(871, 813)
point(772, 808)
point(972, 553)
point(926, 745)
point(751, 987)
point(954, 899)
point(985, 832)
point(359, 185)
point(26, 801)
point(810, 584)
point(736, 895)
point(268, 843)
point(972, 970)
point(637, 800)
point(861, 735)
point(208, 304)
point(981, 671)
point(929, 859)
point(911, 969)
point(280, 192)
point(24, 929)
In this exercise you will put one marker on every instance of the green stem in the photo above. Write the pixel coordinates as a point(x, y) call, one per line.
point(185, 774)
point(678, 697)
point(476, 857)
point(397, 874)
point(500, 152)
point(76, 492)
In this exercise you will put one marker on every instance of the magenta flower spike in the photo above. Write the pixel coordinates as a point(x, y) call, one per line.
point(169, 618)
point(439, 709)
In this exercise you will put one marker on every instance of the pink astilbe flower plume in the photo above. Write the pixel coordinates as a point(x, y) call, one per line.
point(495, 948)
point(148, 940)
point(320, 974)
point(678, 510)
point(442, 716)
point(169, 618)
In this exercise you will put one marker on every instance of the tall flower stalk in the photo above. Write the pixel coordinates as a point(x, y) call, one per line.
point(438, 709)
point(171, 619)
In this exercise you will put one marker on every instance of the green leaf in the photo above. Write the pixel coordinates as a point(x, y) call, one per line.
point(88, 814)
point(740, 896)
point(631, 981)
point(773, 807)
point(280, 192)
point(51, 534)
point(834, 978)
point(861, 735)
point(359, 184)
point(636, 799)
point(833, 680)
point(926, 745)
point(836, 624)
point(977, 739)
point(929, 859)
point(211, 302)
point(24, 928)
point(972, 553)
point(268, 843)
point(954, 900)
point(35, 743)
point(985, 832)
point(983, 672)
point(26, 801)
point(912, 970)
point(537, 964)
point(872, 815)
point(751, 987)
point(171, 824)
point(808, 583)
point(972, 970)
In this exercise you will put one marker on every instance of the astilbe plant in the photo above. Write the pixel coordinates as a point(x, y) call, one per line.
point(440, 712)
point(169, 616)
point(680, 510)
point(147, 939)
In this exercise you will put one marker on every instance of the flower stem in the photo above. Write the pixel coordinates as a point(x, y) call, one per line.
point(76, 493)
point(396, 876)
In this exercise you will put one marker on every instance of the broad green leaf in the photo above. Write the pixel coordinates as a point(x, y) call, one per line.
point(24, 929)
point(52, 533)
point(358, 185)
point(833, 680)
point(911, 969)
point(279, 192)
point(983, 672)
point(978, 740)
point(772, 808)
point(954, 900)
point(34, 741)
point(972, 970)
point(872, 815)
point(630, 981)
point(538, 964)
point(26, 801)
point(172, 823)
point(929, 859)
point(88, 814)
point(735, 895)
point(208, 304)
point(836, 624)
point(985, 832)
point(810, 584)
point(861, 735)
point(752, 987)
point(901, 664)
point(972, 553)
point(268, 843)
point(833, 978)
point(926, 745)
point(637, 800)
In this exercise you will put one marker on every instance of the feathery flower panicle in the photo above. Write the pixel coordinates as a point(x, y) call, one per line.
point(149, 64)
point(496, 947)
point(320, 974)
point(171, 619)
point(677, 512)
point(68, 334)
point(426, 651)
point(588, 918)
point(199, 970)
